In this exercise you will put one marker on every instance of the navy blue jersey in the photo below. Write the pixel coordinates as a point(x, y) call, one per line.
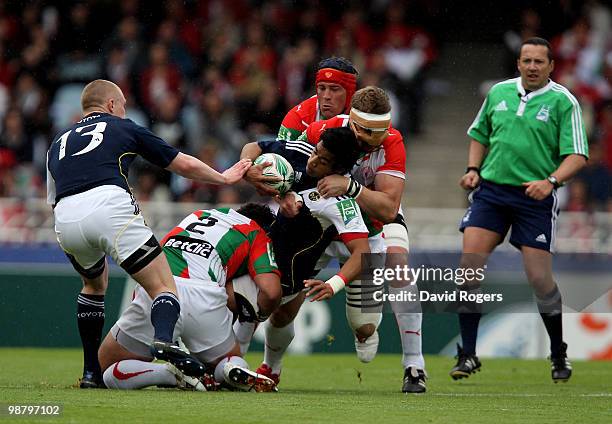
point(297, 153)
point(97, 151)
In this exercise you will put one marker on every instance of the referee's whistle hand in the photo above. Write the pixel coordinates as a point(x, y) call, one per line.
point(538, 190)
point(470, 180)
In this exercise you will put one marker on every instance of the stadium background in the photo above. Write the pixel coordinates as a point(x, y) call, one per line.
point(209, 76)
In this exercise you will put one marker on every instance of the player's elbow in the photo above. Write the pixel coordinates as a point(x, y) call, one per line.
point(183, 165)
point(269, 298)
point(388, 214)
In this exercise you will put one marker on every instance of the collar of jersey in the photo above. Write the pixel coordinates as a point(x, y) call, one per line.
point(526, 97)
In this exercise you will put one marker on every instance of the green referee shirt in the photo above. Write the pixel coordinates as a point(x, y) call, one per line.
point(527, 135)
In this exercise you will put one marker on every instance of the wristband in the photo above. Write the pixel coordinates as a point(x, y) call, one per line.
point(337, 283)
point(354, 188)
point(473, 168)
point(553, 180)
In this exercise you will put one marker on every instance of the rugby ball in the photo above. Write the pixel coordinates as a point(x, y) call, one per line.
point(280, 168)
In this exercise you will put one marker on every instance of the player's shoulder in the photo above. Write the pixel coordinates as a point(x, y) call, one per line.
point(394, 143)
point(304, 112)
point(563, 94)
point(505, 86)
point(315, 129)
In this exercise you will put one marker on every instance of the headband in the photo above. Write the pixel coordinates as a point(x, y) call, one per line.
point(346, 80)
point(371, 121)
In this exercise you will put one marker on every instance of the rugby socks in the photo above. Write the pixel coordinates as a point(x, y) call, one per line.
point(550, 306)
point(133, 374)
point(165, 312)
point(277, 342)
point(90, 320)
point(236, 360)
point(244, 334)
point(409, 318)
point(469, 318)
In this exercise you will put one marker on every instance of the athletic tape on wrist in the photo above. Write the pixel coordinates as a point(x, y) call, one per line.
point(337, 283)
point(354, 188)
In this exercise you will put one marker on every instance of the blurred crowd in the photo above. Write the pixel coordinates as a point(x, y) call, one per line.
point(206, 76)
point(209, 76)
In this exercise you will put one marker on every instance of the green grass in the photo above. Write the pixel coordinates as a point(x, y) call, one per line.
point(321, 389)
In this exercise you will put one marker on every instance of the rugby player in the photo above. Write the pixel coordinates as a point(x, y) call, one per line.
point(97, 215)
point(207, 249)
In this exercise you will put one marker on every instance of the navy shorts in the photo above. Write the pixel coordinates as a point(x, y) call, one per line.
point(498, 208)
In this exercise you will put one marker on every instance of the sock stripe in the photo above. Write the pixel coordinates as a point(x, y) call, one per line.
point(84, 301)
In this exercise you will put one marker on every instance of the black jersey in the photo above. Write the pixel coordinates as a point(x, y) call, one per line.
point(97, 151)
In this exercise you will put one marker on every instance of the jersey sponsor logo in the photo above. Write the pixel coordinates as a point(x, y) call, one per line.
point(543, 113)
point(126, 375)
point(541, 238)
point(313, 196)
point(501, 106)
point(187, 244)
point(348, 210)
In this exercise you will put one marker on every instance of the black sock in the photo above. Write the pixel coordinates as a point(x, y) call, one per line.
point(90, 319)
point(468, 323)
point(469, 318)
point(164, 314)
point(549, 306)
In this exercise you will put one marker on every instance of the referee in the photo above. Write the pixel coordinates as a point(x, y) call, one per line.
point(526, 141)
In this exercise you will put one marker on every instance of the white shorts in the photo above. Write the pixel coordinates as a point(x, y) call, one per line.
point(100, 222)
point(204, 325)
point(338, 249)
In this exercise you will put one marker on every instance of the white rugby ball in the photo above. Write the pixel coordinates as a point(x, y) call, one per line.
point(280, 168)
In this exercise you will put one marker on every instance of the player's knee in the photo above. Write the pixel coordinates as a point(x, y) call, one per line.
point(396, 238)
point(282, 317)
point(364, 323)
point(540, 279)
point(365, 331)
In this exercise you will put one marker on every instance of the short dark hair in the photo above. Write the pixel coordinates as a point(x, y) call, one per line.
point(342, 143)
point(537, 41)
point(261, 214)
point(339, 63)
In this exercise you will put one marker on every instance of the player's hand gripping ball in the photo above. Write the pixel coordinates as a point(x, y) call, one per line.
point(280, 168)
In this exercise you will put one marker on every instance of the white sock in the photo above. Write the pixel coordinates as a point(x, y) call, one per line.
point(133, 374)
point(244, 334)
point(409, 319)
point(236, 360)
point(277, 342)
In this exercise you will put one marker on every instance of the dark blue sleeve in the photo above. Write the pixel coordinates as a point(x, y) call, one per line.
point(152, 147)
point(296, 156)
point(272, 146)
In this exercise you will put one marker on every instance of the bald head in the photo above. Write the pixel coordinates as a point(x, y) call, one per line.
point(103, 96)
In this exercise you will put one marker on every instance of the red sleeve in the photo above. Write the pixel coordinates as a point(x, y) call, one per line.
point(293, 120)
point(395, 155)
point(261, 255)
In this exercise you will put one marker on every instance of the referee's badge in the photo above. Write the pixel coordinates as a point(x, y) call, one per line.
point(543, 113)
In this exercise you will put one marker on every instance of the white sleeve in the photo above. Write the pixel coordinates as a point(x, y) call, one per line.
point(50, 185)
point(345, 215)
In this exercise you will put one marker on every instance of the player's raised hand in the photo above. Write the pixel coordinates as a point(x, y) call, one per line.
point(538, 190)
point(470, 180)
point(332, 185)
point(290, 204)
point(234, 174)
point(255, 177)
point(319, 290)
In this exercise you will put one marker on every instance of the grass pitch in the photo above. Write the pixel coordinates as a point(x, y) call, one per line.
point(320, 389)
